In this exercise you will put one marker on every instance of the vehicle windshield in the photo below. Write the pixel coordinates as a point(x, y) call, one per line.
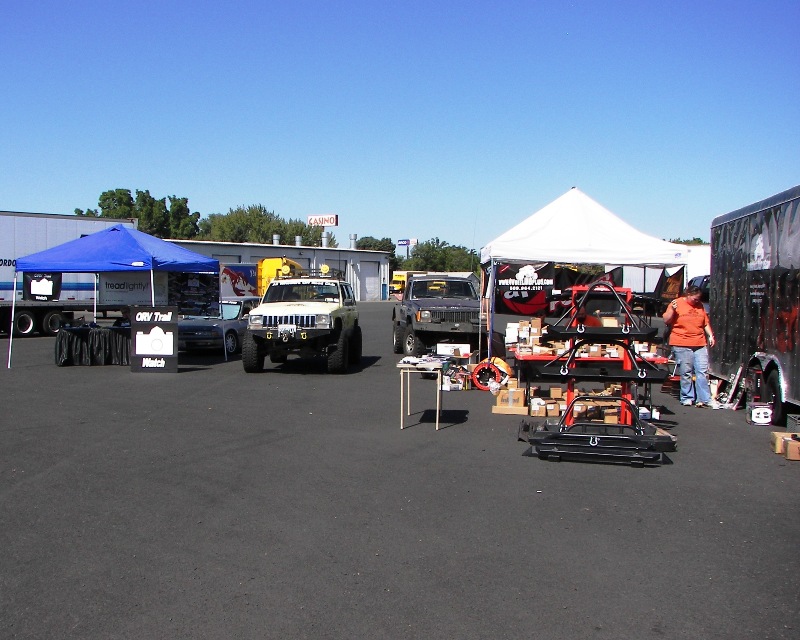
point(302, 291)
point(230, 310)
point(441, 289)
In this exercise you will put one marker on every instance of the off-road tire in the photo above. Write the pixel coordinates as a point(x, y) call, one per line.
point(252, 358)
point(337, 360)
point(411, 344)
point(397, 338)
point(356, 346)
point(772, 387)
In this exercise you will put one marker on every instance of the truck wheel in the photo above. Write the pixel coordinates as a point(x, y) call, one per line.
point(397, 338)
point(773, 396)
point(411, 344)
point(337, 361)
point(252, 358)
point(231, 342)
point(24, 323)
point(51, 323)
point(356, 346)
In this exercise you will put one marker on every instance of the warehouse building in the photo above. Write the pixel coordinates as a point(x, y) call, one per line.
point(367, 271)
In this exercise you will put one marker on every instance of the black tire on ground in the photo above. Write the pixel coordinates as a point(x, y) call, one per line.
point(24, 323)
point(411, 344)
point(772, 393)
point(337, 360)
point(51, 323)
point(232, 342)
point(397, 338)
point(252, 358)
point(356, 346)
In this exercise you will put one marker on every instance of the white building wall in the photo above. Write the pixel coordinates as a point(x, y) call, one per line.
point(366, 271)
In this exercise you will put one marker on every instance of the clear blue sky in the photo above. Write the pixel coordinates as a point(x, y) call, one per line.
point(408, 119)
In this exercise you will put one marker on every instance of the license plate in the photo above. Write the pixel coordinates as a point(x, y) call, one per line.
point(286, 329)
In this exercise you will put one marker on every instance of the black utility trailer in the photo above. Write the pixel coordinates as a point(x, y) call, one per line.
point(755, 301)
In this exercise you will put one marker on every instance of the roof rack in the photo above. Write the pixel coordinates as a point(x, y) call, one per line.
point(332, 274)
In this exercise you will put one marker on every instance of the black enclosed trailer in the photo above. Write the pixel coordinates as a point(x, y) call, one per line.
point(754, 298)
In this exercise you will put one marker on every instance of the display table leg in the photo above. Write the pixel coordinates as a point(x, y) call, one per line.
point(402, 400)
point(438, 396)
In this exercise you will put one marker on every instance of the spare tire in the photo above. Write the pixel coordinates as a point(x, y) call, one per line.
point(484, 373)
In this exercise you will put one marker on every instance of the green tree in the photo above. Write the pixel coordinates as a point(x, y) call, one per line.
point(182, 222)
point(437, 255)
point(692, 241)
point(255, 223)
point(117, 203)
point(155, 218)
point(152, 214)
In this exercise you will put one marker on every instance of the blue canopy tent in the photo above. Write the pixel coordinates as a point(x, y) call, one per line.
point(117, 248)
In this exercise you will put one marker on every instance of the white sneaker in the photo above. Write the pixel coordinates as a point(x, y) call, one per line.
point(715, 405)
point(686, 403)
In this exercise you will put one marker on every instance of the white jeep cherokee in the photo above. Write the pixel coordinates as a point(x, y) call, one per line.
point(307, 316)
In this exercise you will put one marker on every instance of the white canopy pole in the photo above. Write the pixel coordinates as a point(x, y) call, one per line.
point(94, 309)
point(11, 326)
point(152, 289)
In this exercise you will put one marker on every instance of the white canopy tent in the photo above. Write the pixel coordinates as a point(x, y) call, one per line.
point(575, 229)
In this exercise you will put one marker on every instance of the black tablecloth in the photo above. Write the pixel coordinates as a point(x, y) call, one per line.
point(93, 346)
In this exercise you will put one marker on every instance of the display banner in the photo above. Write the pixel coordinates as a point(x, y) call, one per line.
point(154, 339)
point(534, 289)
point(45, 287)
point(670, 287)
point(130, 288)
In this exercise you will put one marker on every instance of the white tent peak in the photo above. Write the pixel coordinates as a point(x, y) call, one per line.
point(576, 229)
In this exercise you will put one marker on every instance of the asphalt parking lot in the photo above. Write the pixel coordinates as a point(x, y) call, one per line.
point(288, 504)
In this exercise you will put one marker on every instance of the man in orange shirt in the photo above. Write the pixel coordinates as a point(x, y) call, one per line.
point(690, 333)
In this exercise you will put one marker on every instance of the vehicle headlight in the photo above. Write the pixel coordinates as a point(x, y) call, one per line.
point(255, 321)
point(323, 321)
point(424, 316)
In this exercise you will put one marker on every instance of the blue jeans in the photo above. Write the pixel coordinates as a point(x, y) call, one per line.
point(693, 360)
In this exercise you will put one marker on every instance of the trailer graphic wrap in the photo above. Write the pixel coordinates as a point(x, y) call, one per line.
point(755, 291)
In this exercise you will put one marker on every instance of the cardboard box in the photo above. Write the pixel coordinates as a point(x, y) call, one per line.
point(512, 333)
point(511, 397)
point(538, 411)
point(777, 440)
point(556, 392)
point(517, 411)
point(552, 410)
point(447, 349)
point(792, 449)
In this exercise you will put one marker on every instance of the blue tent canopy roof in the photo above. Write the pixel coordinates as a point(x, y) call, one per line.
point(118, 248)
